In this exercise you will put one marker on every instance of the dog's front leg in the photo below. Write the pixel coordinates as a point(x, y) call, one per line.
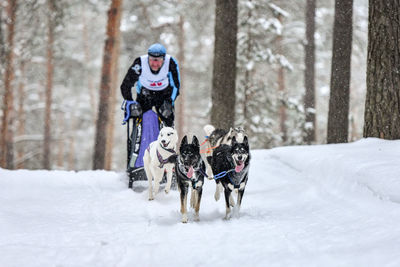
point(149, 178)
point(199, 192)
point(158, 175)
point(169, 180)
point(227, 204)
point(239, 201)
point(184, 193)
point(218, 190)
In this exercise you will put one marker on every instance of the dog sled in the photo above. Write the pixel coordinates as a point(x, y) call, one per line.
point(142, 129)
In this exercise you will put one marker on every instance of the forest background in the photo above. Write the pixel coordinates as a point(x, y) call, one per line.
point(271, 39)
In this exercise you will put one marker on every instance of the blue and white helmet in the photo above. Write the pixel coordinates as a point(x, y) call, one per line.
point(157, 50)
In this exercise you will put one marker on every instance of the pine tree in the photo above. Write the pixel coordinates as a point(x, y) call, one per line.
point(99, 157)
point(224, 71)
point(382, 112)
point(338, 121)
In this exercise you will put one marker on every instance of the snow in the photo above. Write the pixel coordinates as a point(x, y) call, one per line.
point(323, 205)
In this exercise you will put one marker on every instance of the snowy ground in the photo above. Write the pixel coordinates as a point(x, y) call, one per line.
point(328, 205)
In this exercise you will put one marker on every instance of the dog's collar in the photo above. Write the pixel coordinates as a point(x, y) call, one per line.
point(168, 149)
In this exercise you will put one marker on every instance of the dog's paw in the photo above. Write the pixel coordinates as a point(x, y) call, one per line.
point(166, 191)
point(151, 198)
point(184, 218)
point(196, 218)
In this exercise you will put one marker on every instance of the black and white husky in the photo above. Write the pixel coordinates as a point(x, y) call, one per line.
point(215, 138)
point(156, 159)
point(230, 165)
point(190, 171)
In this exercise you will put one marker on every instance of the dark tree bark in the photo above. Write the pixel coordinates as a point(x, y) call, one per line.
point(338, 121)
point(99, 157)
point(181, 60)
point(49, 86)
point(382, 105)
point(309, 73)
point(224, 71)
point(7, 148)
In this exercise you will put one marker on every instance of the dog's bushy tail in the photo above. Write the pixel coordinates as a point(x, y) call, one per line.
point(208, 129)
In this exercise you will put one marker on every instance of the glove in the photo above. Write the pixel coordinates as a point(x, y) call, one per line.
point(132, 109)
point(166, 109)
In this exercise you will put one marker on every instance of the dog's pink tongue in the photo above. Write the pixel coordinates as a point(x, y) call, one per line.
point(240, 167)
point(190, 172)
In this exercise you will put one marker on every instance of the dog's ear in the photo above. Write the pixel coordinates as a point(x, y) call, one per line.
point(184, 140)
point(234, 140)
point(245, 141)
point(195, 141)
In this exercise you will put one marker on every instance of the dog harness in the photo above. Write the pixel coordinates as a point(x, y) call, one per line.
point(160, 158)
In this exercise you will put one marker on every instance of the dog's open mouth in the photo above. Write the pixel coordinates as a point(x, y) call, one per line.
point(165, 144)
point(190, 172)
point(239, 165)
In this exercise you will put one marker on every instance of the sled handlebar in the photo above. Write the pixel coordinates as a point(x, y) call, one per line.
point(126, 104)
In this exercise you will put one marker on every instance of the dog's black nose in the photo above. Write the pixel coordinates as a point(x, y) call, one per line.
point(240, 157)
point(163, 141)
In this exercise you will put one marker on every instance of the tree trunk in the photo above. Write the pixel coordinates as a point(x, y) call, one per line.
point(7, 149)
point(338, 121)
point(88, 59)
point(21, 117)
point(61, 142)
point(111, 115)
point(224, 71)
point(105, 85)
point(281, 88)
point(309, 73)
point(382, 112)
point(181, 61)
point(49, 86)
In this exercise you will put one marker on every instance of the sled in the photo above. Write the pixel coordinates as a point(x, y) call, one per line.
point(141, 131)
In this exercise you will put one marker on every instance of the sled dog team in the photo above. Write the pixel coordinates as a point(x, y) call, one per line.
point(227, 158)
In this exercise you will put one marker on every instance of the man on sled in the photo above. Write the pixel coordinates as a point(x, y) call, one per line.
point(157, 85)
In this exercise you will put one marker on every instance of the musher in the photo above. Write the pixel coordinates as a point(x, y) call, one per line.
point(157, 80)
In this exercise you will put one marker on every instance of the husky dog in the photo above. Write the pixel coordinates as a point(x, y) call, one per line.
point(156, 159)
point(215, 138)
point(190, 171)
point(233, 162)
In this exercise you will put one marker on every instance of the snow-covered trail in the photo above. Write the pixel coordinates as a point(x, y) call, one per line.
point(289, 217)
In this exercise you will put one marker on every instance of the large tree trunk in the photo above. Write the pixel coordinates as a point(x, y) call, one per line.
point(7, 149)
point(181, 60)
point(49, 86)
point(309, 73)
point(281, 88)
point(338, 117)
point(105, 85)
point(88, 58)
point(224, 71)
point(111, 115)
point(382, 111)
point(21, 117)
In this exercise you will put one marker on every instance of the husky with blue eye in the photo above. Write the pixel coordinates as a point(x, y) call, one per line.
point(230, 165)
point(190, 171)
point(157, 160)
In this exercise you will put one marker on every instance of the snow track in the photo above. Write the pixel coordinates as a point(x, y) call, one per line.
point(332, 205)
